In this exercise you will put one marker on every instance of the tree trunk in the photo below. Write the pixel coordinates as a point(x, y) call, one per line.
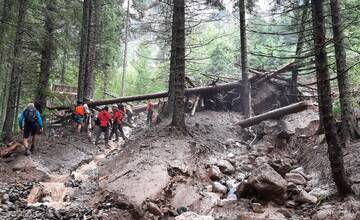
point(47, 52)
point(86, 80)
point(125, 49)
point(349, 124)
point(245, 96)
point(276, 113)
point(178, 30)
point(5, 18)
point(15, 72)
point(325, 102)
point(204, 90)
point(299, 49)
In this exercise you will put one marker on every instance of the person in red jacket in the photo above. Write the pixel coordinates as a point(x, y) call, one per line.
point(150, 112)
point(118, 115)
point(104, 120)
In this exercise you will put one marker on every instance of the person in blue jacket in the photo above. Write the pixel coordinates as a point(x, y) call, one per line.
point(31, 124)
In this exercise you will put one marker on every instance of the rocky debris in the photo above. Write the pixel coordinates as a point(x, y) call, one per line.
point(268, 184)
point(219, 188)
point(193, 216)
point(207, 202)
point(257, 208)
point(324, 214)
point(260, 216)
point(282, 166)
point(225, 166)
point(288, 213)
point(154, 209)
point(304, 197)
point(296, 178)
point(215, 173)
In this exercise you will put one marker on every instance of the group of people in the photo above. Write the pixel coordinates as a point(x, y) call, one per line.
point(108, 122)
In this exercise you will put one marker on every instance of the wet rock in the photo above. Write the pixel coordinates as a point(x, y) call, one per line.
point(226, 167)
point(215, 173)
point(296, 178)
point(257, 208)
point(244, 190)
point(154, 209)
point(219, 188)
point(193, 216)
point(268, 184)
point(304, 197)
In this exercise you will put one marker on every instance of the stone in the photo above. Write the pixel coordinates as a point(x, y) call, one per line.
point(229, 142)
point(268, 184)
point(282, 166)
point(348, 216)
point(257, 208)
point(288, 213)
point(290, 204)
point(154, 209)
point(324, 214)
point(304, 197)
point(6, 197)
point(226, 167)
point(231, 155)
point(296, 178)
point(219, 188)
point(301, 171)
point(261, 160)
point(215, 173)
point(244, 190)
point(193, 216)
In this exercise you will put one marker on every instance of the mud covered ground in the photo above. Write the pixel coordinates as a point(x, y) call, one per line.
point(163, 174)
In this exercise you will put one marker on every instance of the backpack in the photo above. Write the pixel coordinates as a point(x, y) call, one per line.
point(30, 115)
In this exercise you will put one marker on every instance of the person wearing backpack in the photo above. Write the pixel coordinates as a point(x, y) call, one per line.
point(31, 124)
point(104, 120)
point(79, 115)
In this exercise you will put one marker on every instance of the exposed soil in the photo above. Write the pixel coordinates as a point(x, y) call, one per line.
point(161, 173)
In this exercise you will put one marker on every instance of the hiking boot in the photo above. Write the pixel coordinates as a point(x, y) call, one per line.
point(27, 152)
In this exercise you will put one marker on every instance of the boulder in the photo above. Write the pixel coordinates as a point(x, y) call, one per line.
point(268, 184)
point(296, 178)
point(215, 173)
point(257, 208)
point(226, 167)
point(193, 216)
point(219, 188)
point(304, 197)
point(244, 190)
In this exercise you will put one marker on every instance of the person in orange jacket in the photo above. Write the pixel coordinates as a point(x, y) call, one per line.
point(150, 112)
point(104, 122)
point(79, 115)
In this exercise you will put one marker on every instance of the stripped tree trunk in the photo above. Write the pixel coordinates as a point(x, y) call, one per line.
point(325, 102)
point(125, 49)
point(245, 97)
point(178, 33)
point(349, 124)
point(47, 52)
point(299, 49)
point(15, 72)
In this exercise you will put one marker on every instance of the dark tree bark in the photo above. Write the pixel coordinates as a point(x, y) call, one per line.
point(47, 52)
point(15, 72)
point(86, 80)
point(349, 125)
point(245, 95)
point(178, 33)
point(325, 102)
point(298, 52)
point(127, 23)
point(5, 18)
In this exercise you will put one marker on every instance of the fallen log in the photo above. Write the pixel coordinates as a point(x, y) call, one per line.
point(276, 113)
point(190, 91)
